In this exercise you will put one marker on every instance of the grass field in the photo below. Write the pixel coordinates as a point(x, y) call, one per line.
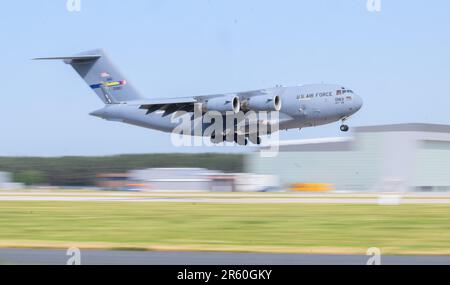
point(291, 228)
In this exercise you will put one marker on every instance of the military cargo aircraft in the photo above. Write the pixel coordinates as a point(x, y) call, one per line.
point(296, 107)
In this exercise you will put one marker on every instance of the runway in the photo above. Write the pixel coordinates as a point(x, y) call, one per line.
point(241, 198)
point(168, 256)
point(97, 257)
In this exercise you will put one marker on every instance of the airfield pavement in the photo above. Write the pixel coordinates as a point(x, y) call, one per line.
point(241, 198)
point(117, 257)
point(269, 229)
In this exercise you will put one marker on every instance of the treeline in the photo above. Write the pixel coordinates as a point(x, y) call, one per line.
point(82, 171)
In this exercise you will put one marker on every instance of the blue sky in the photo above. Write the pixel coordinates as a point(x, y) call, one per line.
point(398, 60)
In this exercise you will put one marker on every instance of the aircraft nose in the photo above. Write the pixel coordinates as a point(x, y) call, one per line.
point(358, 102)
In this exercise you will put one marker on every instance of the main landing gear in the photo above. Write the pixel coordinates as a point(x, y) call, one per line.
point(255, 140)
point(240, 140)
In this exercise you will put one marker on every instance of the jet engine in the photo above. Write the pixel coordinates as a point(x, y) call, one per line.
point(266, 103)
point(223, 104)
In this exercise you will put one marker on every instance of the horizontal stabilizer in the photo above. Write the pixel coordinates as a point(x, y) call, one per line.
point(74, 58)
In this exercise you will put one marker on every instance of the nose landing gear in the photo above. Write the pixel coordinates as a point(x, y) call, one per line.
point(344, 128)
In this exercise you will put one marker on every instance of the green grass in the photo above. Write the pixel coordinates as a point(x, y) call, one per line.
point(406, 229)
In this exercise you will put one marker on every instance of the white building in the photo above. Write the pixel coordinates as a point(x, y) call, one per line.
point(5, 177)
point(199, 179)
point(173, 179)
point(397, 157)
point(6, 182)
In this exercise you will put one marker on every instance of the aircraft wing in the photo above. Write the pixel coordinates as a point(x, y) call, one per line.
point(172, 105)
point(248, 94)
point(169, 105)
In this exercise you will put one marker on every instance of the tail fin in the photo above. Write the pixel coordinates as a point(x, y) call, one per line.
point(100, 74)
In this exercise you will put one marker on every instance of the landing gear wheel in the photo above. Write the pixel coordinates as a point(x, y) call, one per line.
point(217, 139)
point(256, 140)
point(240, 140)
point(344, 128)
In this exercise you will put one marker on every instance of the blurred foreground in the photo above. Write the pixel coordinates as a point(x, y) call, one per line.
point(236, 222)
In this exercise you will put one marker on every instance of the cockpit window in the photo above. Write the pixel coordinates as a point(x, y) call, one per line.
point(344, 91)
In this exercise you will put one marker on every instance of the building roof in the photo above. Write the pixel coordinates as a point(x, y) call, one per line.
point(440, 133)
point(408, 127)
point(321, 144)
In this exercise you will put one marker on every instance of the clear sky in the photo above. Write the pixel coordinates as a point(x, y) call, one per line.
point(398, 60)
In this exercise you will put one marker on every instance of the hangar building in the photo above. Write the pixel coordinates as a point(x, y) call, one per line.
point(400, 157)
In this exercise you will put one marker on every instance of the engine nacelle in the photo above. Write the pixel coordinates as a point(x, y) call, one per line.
point(223, 104)
point(266, 103)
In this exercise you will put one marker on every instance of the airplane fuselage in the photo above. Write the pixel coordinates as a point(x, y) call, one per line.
point(301, 106)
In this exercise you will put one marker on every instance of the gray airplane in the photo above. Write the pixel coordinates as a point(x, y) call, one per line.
point(297, 107)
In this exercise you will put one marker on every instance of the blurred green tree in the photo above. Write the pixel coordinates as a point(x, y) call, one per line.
point(82, 171)
point(30, 177)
